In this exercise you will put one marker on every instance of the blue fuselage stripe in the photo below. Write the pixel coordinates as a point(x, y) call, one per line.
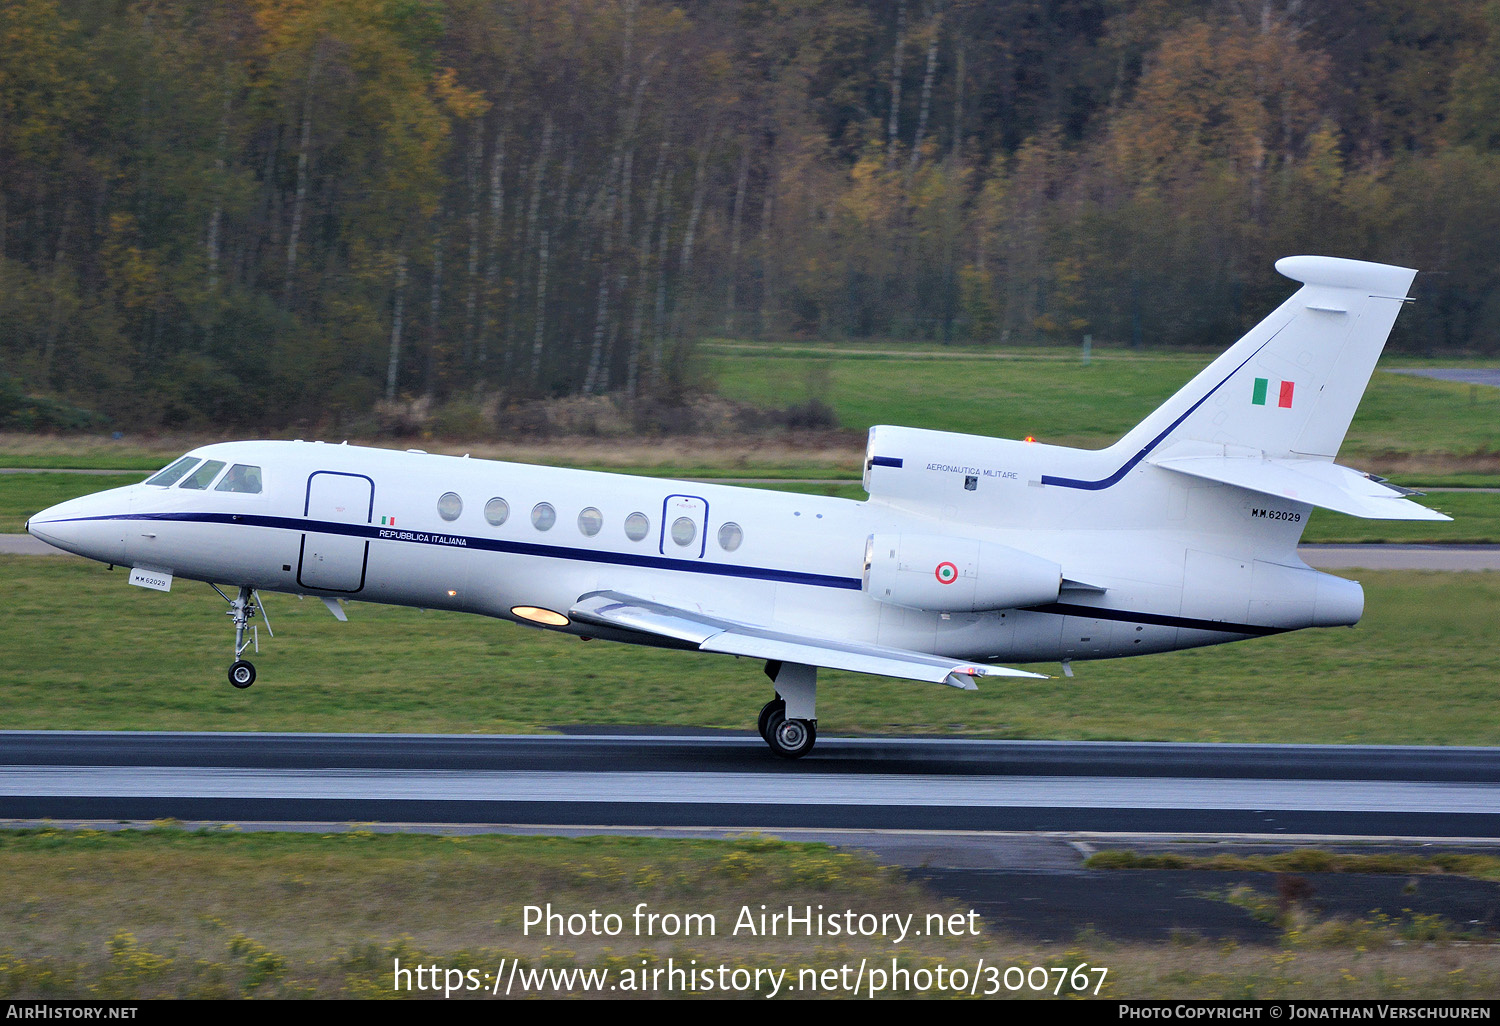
point(376, 533)
point(1157, 619)
point(1070, 482)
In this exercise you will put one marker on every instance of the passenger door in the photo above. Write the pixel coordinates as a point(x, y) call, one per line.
point(333, 559)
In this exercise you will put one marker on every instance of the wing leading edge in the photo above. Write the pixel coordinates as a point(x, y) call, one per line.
point(712, 634)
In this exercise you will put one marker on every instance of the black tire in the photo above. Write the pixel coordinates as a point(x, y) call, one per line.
point(775, 705)
point(791, 739)
point(242, 673)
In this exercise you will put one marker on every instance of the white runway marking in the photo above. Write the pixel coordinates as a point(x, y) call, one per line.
point(755, 789)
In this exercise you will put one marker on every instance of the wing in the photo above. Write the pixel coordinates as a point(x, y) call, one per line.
point(712, 634)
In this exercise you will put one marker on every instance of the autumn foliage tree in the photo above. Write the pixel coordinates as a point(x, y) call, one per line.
point(275, 212)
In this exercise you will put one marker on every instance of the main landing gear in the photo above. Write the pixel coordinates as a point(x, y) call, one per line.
point(789, 722)
point(243, 608)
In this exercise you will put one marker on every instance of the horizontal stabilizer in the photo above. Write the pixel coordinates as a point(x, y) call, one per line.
point(1315, 482)
point(712, 634)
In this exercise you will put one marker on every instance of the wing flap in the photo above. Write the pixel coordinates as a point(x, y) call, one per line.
point(610, 609)
point(714, 634)
point(1315, 482)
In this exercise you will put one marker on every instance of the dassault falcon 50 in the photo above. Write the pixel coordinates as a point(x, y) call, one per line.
point(969, 551)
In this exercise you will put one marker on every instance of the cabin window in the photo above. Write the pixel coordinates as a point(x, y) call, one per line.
point(730, 536)
point(204, 475)
point(683, 531)
point(543, 516)
point(241, 478)
point(636, 526)
point(450, 506)
point(497, 511)
point(167, 477)
point(590, 521)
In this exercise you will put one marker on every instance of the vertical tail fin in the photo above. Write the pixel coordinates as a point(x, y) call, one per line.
point(1290, 387)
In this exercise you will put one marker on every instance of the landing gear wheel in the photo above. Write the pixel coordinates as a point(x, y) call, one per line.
point(242, 673)
point(242, 609)
point(790, 739)
point(774, 706)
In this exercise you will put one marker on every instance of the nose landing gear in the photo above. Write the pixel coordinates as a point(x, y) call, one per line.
point(243, 608)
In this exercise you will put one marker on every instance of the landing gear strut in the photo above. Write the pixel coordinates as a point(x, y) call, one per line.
point(243, 608)
point(789, 722)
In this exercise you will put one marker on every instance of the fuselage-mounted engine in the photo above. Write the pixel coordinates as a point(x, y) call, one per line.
point(954, 575)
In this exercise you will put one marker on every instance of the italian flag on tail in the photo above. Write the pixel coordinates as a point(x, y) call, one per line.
point(1263, 388)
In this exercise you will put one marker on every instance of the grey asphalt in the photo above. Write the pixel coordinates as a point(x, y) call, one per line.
point(26, 545)
point(1401, 557)
point(70, 470)
point(1025, 877)
point(1187, 905)
point(1464, 375)
point(727, 780)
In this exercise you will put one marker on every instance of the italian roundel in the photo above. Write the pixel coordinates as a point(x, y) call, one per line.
point(947, 573)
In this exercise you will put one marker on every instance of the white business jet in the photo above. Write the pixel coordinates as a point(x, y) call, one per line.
point(969, 550)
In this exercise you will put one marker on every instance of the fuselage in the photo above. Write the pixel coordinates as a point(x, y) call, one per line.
point(969, 552)
point(1158, 563)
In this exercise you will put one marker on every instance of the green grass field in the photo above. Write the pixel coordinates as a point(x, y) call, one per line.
point(84, 650)
point(1476, 520)
point(1432, 432)
point(21, 495)
point(216, 914)
point(1057, 399)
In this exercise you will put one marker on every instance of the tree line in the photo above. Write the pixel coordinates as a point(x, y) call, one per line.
point(264, 212)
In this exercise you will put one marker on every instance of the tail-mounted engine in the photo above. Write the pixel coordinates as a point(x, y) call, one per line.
point(956, 574)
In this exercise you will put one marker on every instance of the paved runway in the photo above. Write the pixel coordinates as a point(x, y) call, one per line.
point(732, 782)
point(1463, 375)
point(1002, 827)
point(1401, 557)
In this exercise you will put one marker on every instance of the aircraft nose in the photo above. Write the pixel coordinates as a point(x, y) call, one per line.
point(35, 525)
point(50, 525)
point(58, 525)
point(86, 526)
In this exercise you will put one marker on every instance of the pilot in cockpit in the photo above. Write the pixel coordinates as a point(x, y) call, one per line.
point(241, 478)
